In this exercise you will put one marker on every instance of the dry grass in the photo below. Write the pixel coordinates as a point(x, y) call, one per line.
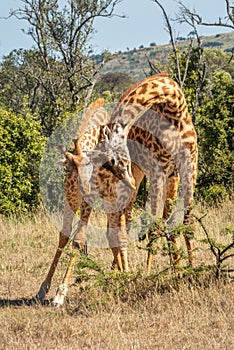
point(107, 311)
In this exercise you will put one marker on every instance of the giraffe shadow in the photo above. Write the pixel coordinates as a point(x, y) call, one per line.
point(24, 302)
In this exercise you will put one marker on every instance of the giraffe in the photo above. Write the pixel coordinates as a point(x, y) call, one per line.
point(115, 220)
point(79, 167)
point(171, 124)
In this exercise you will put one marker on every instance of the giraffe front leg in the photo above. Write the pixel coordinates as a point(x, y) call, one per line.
point(45, 286)
point(117, 238)
point(120, 261)
point(117, 262)
point(63, 240)
point(62, 290)
point(80, 238)
point(79, 244)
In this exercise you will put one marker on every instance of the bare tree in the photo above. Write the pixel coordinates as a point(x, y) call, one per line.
point(173, 43)
point(182, 73)
point(226, 21)
point(193, 19)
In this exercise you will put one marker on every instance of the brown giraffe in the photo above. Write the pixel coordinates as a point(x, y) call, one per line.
point(80, 167)
point(116, 220)
point(171, 125)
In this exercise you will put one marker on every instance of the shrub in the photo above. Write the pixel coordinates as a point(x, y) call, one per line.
point(21, 147)
point(214, 194)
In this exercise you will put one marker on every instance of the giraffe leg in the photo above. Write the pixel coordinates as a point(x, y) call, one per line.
point(116, 235)
point(79, 244)
point(62, 290)
point(117, 262)
point(80, 238)
point(188, 186)
point(188, 236)
point(150, 259)
point(157, 193)
point(138, 176)
point(120, 261)
point(63, 239)
point(171, 195)
point(188, 174)
point(45, 286)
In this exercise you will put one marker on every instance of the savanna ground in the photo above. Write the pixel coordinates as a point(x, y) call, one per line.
point(107, 310)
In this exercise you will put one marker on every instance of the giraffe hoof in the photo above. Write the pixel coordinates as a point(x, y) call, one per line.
point(60, 296)
point(44, 288)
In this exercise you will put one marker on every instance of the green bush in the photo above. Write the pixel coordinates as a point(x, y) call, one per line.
point(21, 147)
point(215, 128)
point(213, 195)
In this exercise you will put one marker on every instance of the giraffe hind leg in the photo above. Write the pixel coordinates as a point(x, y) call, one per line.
point(171, 195)
point(188, 236)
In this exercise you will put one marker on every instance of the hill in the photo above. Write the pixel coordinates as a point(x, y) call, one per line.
point(135, 62)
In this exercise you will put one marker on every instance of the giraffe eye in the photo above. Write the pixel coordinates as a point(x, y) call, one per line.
point(113, 161)
point(122, 163)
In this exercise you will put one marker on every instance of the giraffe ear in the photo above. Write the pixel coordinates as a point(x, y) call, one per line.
point(69, 156)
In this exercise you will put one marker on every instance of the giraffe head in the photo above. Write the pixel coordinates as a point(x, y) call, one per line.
point(95, 146)
point(115, 160)
point(116, 153)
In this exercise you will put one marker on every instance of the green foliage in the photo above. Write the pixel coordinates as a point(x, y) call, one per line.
point(215, 127)
point(27, 86)
point(210, 101)
point(21, 147)
point(56, 74)
point(214, 194)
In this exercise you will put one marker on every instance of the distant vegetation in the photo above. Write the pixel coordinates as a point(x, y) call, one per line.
point(134, 62)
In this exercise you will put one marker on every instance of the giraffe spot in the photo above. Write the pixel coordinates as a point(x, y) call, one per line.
point(143, 89)
point(140, 101)
point(165, 90)
point(188, 134)
point(131, 100)
point(155, 85)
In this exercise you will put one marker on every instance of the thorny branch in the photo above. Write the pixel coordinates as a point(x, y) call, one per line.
point(227, 21)
point(216, 250)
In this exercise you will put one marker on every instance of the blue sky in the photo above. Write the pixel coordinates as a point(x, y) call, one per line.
point(144, 24)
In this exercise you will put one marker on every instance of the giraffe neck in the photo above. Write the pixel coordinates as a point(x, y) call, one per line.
point(159, 91)
point(89, 135)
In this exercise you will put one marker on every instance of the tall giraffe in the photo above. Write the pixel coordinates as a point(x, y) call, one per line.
point(79, 166)
point(116, 220)
point(171, 124)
